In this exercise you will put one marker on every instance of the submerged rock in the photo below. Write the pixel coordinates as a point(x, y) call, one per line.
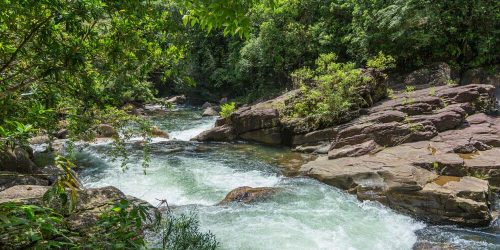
point(247, 195)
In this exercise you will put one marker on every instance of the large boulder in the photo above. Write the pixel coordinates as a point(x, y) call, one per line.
point(482, 76)
point(157, 132)
point(9, 179)
point(247, 195)
point(392, 180)
point(179, 99)
point(223, 133)
point(210, 111)
point(91, 203)
point(18, 159)
point(105, 131)
point(437, 74)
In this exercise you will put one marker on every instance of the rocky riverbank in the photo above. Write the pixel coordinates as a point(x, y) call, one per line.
point(430, 152)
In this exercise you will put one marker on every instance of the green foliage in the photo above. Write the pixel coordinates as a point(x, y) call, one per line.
point(24, 226)
point(381, 62)
point(57, 196)
point(227, 109)
point(121, 227)
point(390, 93)
point(330, 90)
point(294, 33)
point(182, 232)
point(14, 133)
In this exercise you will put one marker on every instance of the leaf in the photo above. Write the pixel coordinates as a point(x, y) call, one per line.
point(185, 19)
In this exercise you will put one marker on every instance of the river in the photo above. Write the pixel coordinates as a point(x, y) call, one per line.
point(304, 214)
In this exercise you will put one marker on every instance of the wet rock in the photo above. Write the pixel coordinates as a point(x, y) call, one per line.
point(206, 105)
point(105, 131)
point(246, 120)
point(155, 131)
point(223, 133)
point(180, 99)
point(210, 111)
point(247, 195)
point(270, 136)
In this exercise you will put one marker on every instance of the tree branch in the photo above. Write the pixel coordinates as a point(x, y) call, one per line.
point(24, 42)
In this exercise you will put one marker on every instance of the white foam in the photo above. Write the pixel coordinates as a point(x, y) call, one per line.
point(188, 134)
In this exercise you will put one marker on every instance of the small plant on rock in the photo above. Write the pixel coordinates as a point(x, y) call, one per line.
point(227, 109)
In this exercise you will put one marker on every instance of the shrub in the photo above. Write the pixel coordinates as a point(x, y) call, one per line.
point(381, 62)
point(329, 91)
point(227, 109)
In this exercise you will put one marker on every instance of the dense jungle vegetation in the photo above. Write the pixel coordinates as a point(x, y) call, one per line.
point(76, 63)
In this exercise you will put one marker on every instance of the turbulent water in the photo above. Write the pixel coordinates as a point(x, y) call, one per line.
point(304, 214)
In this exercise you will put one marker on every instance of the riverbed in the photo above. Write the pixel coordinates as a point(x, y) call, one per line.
point(304, 214)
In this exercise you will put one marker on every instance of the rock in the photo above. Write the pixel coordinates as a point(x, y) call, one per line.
point(10, 179)
point(394, 122)
point(62, 133)
point(105, 131)
point(271, 136)
point(91, 203)
point(40, 139)
point(223, 101)
point(433, 75)
point(246, 120)
point(352, 151)
point(155, 131)
point(247, 195)
point(180, 99)
point(223, 133)
point(482, 76)
point(155, 110)
point(220, 122)
point(18, 160)
point(391, 180)
point(210, 111)
point(26, 194)
point(206, 105)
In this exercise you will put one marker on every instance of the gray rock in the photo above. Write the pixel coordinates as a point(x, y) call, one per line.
point(210, 111)
point(105, 131)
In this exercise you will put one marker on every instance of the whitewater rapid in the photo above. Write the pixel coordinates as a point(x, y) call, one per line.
point(304, 214)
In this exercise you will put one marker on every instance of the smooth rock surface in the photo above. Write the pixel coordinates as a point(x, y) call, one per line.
point(247, 194)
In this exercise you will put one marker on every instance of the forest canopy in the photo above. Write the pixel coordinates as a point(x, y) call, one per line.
point(81, 60)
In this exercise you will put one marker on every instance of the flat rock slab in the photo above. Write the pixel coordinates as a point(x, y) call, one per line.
point(391, 179)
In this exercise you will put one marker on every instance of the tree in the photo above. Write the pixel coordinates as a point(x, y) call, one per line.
point(79, 60)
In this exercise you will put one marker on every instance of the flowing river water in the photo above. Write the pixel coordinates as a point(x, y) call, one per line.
point(304, 214)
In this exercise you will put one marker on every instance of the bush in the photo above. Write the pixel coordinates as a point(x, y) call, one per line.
point(121, 227)
point(330, 90)
point(227, 109)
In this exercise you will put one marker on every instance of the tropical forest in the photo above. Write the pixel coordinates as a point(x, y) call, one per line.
point(250, 124)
